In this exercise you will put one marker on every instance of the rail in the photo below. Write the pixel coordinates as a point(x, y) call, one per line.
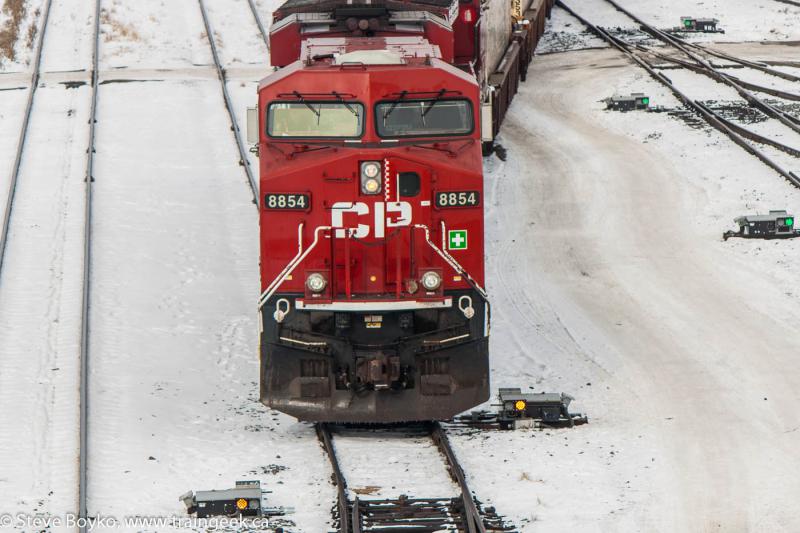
point(474, 520)
point(260, 25)
point(223, 80)
point(763, 67)
point(23, 133)
point(710, 71)
point(324, 435)
point(733, 79)
point(711, 117)
point(435, 514)
point(83, 459)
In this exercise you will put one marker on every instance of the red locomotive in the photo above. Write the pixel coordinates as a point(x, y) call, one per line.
point(372, 256)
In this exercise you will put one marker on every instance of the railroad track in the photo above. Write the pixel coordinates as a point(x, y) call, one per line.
point(83, 460)
point(643, 56)
point(21, 146)
point(421, 515)
point(259, 23)
point(223, 80)
point(23, 134)
point(703, 66)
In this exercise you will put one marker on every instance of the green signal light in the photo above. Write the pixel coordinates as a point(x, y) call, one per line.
point(688, 23)
point(789, 222)
point(646, 101)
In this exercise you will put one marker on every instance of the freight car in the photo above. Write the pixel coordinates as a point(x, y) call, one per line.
point(370, 138)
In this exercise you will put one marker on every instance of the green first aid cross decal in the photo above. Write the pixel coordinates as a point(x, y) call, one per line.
point(457, 239)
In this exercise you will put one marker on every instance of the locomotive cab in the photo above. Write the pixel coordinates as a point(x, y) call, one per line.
point(372, 305)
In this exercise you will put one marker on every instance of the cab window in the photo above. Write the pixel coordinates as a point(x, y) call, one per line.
point(315, 119)
point(424, 118)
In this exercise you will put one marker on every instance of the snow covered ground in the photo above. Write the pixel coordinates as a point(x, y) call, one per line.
point(28, 16)
point(168, 315)
point(615, 285)
point(40, 298)
point(608, 275)
point(412, 462)
point(760, 20)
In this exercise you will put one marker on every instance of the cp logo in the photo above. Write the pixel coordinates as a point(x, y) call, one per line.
point(387, 215)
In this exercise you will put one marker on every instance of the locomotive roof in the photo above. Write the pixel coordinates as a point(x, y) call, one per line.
point(298, 6)
point(406, 49)
point(446, 9)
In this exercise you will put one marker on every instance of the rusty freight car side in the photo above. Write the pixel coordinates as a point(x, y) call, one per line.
point(519, 37)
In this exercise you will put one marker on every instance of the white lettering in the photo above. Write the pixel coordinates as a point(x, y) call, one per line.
point(389, 214)
point(337, 218)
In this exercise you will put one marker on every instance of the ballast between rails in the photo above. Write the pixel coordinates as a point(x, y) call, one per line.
point(223, 80)
point(763, 67)
point(350, 516)
point(728, 79)
point(710, 116)
point(705, 68)
point(23, 134)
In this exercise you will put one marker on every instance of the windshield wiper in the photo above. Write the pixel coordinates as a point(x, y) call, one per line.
point(443, 146)
point(303, 101)
point(341, 99)
point(394, 104)
point(439, 95)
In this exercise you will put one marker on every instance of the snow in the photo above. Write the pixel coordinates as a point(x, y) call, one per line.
point(413, 463)
point(238, 39)
point(606, 267)
point(759, 20)
point(12, 109)
point(40, 299)
point(174, 335)
point(762, 20)
point(23, 49)
point(563, 32)
point(153, 35)
point(68, 43)
point(613, 273)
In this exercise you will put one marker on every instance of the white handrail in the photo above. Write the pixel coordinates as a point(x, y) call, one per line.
point(272, 287)
point(299, 253)
point(450, 259)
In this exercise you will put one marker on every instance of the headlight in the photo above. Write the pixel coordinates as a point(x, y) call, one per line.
point(431, 280)
point(316, 282)
point(370, 177)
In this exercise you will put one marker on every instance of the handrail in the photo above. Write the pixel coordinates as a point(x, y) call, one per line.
point(458, 268)
point(289, 268)
point(302, 254)
point(299, 253)
point(451, 260)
